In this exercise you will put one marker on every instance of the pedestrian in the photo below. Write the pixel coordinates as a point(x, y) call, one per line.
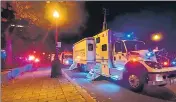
point(55, 68)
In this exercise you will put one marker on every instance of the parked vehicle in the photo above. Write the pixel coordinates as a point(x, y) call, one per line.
point(121, 57)
point(66, 58)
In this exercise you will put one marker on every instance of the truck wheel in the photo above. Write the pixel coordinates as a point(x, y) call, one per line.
point(136, 82)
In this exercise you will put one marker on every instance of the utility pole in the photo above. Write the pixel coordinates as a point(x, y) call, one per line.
point(105, 12)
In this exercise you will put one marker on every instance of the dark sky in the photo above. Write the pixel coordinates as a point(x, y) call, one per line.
point(154, 16)
point(142, 18)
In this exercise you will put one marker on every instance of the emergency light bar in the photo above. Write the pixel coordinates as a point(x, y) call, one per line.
point(124, 36)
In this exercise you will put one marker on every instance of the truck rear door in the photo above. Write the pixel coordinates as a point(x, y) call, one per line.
point(90, 50)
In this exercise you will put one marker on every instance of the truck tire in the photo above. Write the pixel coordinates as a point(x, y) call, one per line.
point(135, 81)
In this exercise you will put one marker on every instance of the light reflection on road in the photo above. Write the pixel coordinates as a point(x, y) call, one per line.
point(109, 91)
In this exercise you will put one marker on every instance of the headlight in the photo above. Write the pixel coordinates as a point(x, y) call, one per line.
point(153, 64)
point(66, 61)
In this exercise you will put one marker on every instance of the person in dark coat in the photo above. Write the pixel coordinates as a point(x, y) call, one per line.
point(55, 68)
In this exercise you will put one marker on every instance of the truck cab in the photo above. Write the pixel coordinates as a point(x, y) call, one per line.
point(122, 50)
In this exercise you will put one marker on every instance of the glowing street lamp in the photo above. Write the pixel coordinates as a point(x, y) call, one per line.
point(56, 14)
point(156, 37)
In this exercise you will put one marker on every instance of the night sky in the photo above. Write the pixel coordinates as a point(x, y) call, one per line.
point(142, 18)
point(164, 13)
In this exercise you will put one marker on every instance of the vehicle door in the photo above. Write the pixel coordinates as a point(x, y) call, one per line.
point(120, 55)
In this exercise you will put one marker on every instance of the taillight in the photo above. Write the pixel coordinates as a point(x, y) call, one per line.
point(37, 60)
point(165, 63)
point(31, 57)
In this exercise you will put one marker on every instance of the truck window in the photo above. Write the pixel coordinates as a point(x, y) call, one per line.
point(104, 47)
point(98, 40)
point(123, 48)
point(135, 45)
point(90, 47)
point(119, 47)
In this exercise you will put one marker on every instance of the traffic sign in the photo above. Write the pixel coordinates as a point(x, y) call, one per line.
point(58, 44)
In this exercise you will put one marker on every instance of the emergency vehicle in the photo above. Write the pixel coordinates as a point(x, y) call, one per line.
point(121, 57)
point(66, 58)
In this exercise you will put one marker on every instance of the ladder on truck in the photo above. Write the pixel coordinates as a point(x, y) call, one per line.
point(93, 73)
point(73, 66)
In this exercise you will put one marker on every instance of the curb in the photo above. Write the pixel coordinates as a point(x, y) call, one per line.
point(10, 75)
point(82, 91)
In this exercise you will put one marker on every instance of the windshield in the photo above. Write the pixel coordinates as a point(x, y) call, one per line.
point(135, 45)
point(68, 56)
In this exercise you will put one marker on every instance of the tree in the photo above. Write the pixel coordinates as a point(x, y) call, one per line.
point(12, 29)
point(7, 18)
point(73, 15)
point(39, 14)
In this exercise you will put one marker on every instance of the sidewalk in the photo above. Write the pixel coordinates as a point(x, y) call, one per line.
point(39, 87)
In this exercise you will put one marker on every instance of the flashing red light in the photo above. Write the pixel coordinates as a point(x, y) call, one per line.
point(31, 57)
point(37, 60)
point(43, 53)
point(165, 63)
point(34, 51)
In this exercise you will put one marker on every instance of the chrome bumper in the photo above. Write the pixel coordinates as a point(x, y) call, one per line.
point(162, 78)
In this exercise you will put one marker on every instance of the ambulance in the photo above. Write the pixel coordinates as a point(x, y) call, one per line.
point(123, 57)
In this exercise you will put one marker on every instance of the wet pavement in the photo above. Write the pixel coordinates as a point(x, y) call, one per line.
point(107, 90)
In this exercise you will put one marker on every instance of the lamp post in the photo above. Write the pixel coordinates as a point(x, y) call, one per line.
point(156, 37)
point(56, 71)
point(56, 16)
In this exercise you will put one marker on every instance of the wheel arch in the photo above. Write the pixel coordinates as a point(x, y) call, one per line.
point(138, 69)
point(135, 67)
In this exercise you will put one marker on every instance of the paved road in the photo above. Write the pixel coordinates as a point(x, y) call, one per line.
point(110, 91)
point(37, 86)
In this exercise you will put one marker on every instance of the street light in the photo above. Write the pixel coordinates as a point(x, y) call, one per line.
point(56, 16)
point(156, 37)
point(55, 71)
